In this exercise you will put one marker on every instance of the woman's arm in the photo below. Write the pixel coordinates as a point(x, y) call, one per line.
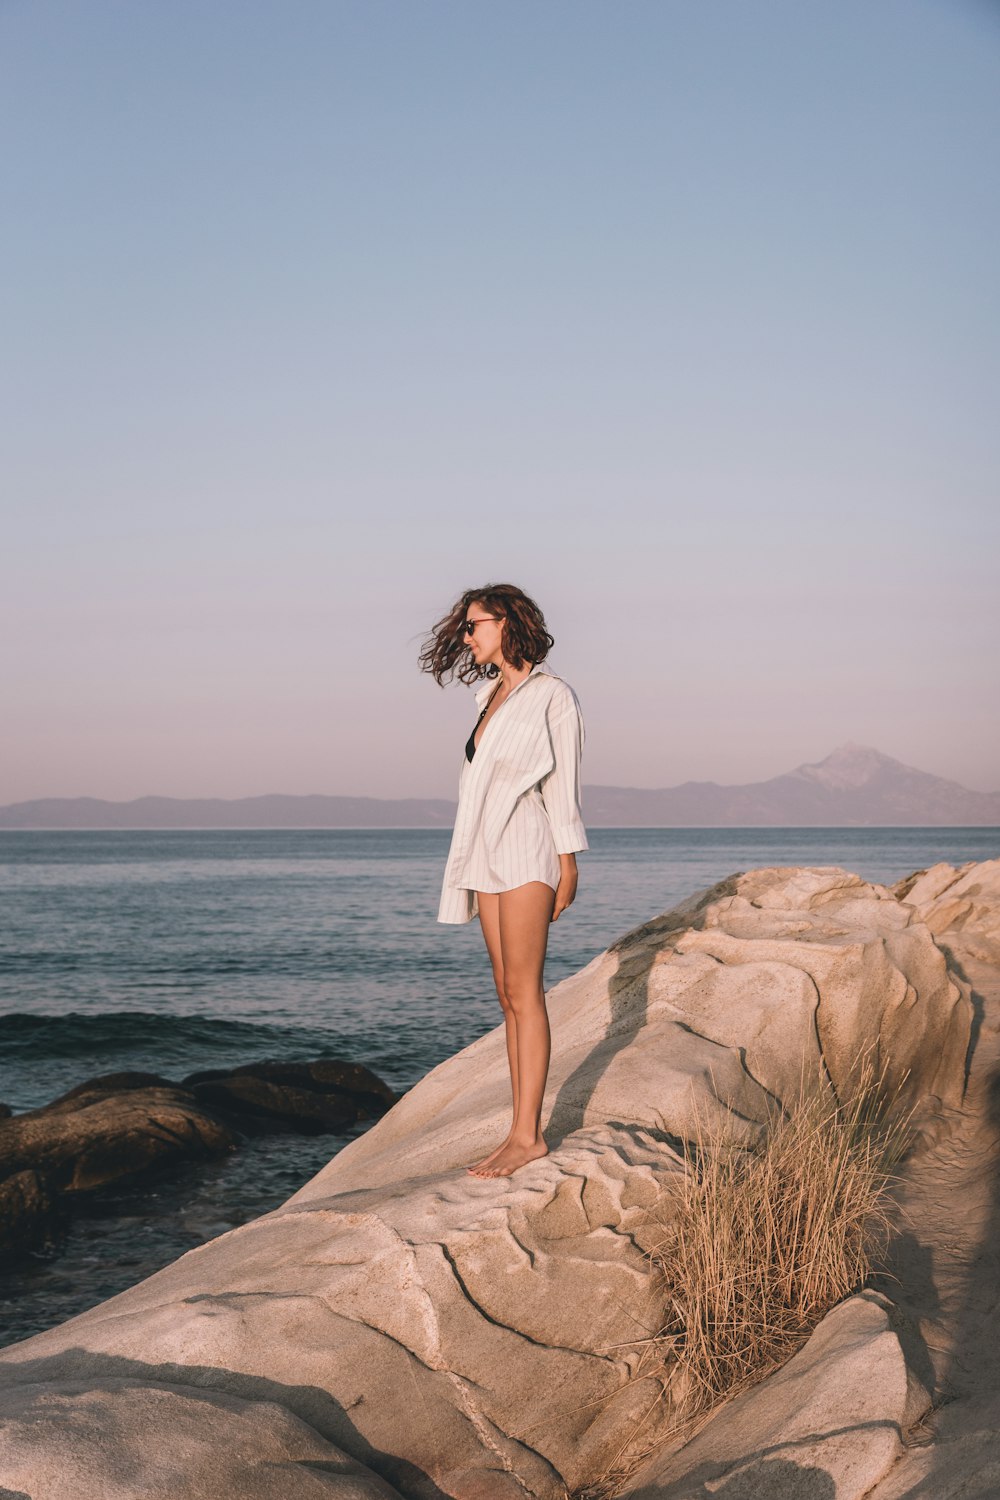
point(566, 892)
point(561, 795)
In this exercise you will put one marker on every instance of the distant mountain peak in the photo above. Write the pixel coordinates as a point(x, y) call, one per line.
point(848, 767)
point(852, 748)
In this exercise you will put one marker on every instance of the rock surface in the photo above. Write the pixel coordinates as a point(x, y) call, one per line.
point(463, 1337)
point(827, 1426)
point(960, 904)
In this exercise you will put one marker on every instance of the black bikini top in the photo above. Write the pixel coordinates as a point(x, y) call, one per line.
point(470, 744)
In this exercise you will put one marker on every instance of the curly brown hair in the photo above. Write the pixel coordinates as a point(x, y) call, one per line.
point(446, 653)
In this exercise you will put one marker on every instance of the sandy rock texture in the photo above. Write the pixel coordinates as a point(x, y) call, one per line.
point(457, 1336)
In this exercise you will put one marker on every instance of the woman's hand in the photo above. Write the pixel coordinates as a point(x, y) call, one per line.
point(567, 884)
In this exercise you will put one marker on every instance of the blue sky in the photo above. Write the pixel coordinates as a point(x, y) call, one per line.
point(682, 317)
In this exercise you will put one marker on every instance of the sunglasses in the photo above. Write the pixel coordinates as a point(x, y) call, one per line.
point(469, 626)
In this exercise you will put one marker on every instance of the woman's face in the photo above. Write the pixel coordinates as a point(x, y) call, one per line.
point(486, 640)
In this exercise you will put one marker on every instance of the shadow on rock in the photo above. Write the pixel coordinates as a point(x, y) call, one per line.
point(777, 1479)
point(86, 1385)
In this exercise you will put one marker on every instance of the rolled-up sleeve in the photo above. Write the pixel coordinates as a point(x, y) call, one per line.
point(561, 787)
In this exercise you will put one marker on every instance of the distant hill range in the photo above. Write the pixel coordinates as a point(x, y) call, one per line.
point(854, 787)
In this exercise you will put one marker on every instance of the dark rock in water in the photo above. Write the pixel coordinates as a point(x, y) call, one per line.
point(94, 1138)
point(125, 1127)
point(309, 1096)
point(259, 1106)
point(31, 1214)
point(5, 1111)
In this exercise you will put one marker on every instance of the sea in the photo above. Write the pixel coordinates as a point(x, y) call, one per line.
point(178, 950)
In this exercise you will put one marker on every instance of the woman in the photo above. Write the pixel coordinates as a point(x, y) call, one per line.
point(518, 830)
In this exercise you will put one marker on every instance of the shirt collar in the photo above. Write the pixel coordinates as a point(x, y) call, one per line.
point(487, 688)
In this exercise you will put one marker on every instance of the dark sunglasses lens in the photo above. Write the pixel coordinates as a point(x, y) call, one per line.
point(469, 627)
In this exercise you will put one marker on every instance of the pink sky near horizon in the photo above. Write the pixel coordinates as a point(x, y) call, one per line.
point(683, 320)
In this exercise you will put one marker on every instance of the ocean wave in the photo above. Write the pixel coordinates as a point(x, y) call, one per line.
point(78, 1034)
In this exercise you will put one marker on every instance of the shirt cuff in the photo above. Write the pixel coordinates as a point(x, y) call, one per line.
point(570, 838)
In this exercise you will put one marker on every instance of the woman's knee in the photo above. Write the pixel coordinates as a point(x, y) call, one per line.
point(523, 992)
point(498, 980)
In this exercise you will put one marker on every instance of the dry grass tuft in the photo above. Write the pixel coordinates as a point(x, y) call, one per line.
point(762, 1241)
point(755, 1244)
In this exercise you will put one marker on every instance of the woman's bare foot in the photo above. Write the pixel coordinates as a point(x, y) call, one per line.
point(492, 1156)
point(513, 1154)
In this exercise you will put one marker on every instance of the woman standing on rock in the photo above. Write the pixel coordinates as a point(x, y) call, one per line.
point(513, 852)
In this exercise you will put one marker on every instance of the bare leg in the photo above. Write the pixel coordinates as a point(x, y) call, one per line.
point(525, 915)
point(489, 921)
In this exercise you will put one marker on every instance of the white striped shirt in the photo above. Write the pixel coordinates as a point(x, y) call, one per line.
point(519, 796)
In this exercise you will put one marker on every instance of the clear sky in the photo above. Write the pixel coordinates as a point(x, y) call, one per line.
point(681, 316)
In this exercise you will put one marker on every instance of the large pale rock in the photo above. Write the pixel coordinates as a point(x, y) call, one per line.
point(827, 1426)
point(467, 1337)
point(962, 901)
point(461, 1331)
